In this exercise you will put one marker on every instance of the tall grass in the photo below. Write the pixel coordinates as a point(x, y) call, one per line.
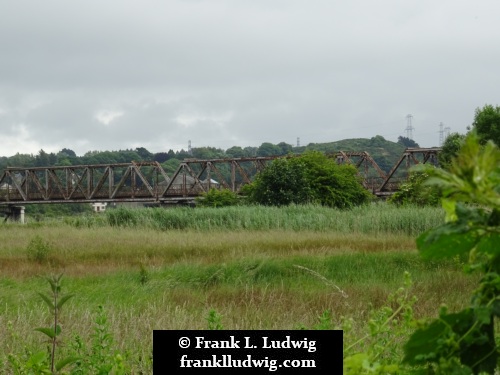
point(375, 218)
point(168, 268)
point(250, 293)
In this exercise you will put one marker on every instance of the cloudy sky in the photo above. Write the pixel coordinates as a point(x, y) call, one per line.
point(119, 74)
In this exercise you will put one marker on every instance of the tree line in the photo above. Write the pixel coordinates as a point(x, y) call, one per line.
point(383, 151)
point(170, 160)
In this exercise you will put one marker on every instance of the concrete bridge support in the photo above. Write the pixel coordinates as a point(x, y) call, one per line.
point(14, 213)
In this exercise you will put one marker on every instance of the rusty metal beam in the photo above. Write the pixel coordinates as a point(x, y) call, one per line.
point(148, 181)
point(409, 155)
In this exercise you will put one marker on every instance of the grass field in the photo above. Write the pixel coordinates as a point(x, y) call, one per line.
point(259, 268)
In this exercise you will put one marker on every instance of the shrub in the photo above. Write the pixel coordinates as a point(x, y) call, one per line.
point(415, 191)
point(38, 250)
point(311, 178)
point(217, 198)
point(281, 183)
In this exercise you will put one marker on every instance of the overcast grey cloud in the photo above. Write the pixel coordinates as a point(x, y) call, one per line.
point(122, 74)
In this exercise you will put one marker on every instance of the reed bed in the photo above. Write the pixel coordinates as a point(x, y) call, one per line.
point(373, 218)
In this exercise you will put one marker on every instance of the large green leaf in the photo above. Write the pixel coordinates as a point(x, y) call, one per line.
point(439, 338)
point(467, 335)
point(63, 300)
point(47, 300)
point(422, 346)
point(48, 331)
point(66, 361)
point(447, 241)
point(489, 243)
point(37, 359)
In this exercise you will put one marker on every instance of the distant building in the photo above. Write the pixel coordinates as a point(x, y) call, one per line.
point(99, 206)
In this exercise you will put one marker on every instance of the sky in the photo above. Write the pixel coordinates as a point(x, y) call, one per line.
point(121, 74)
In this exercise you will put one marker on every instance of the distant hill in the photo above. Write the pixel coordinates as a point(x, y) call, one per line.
point(384, 152)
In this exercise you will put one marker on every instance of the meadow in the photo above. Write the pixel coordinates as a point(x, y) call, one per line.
point(240, 267)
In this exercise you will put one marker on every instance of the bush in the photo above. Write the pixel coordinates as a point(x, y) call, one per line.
point(416, 192)
point(311, 178)
point(281, 183)
point(217, 198)
point(38, 250)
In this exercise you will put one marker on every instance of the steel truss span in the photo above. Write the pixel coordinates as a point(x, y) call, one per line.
point(148, 181)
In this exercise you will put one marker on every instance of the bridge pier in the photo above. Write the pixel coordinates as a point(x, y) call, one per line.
point(13, 213)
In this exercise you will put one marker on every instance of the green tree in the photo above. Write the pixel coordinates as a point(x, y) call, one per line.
point(144, 153)
point(407, 142)
point(42, 159)
point(67, 152)
point(182, 154)
point(311, 178)
point(268, 149)
point(235, 152)
point(161, 157)
point(332, 184)
point(21, 160)
point(285, 148)
point(281, 183)
point(66, 157)
point(377, 141)
point(487, 123)
point(450, 149)
point(250, 151)
point(207, 153)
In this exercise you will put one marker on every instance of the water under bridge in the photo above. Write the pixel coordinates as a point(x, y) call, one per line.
point(148, 182)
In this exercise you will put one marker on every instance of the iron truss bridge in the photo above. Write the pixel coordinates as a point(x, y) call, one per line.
point(148, 181)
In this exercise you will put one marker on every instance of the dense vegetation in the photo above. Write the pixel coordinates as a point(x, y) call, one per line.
point(465, 342)
point(416, 191)
point(312, 178)
point(487, 124)
point(257, 267)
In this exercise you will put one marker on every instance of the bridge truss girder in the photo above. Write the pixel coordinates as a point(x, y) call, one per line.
point(372, 175)
point(148, 181)
point(124, 182)
point(410, 157)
